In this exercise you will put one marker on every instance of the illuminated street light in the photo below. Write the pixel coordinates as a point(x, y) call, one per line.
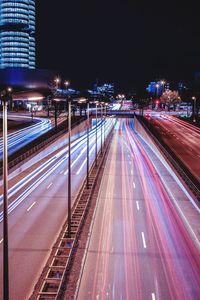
point(66, 83)
point(105, 105)
point(101, 103)
point(194, 108)
point(69, 168)
point(84, 100)
point(56, 115)
point(97, 102)
point(5, 96)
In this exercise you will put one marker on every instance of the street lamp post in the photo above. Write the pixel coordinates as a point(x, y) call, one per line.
point(101, 125)
point(83, 100)
point(55, 115)
point(88, 124)
point(96, 136)
point(105, 105)
point(67, 83)
point(5, 200)
point(69, 168)
point(194, 109)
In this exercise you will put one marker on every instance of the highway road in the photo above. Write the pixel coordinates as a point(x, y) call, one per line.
point(37, 210)
point(144, 241)
point(21, 137)
point(182, 138)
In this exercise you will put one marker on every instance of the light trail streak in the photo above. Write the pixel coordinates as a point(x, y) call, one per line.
point(24, 135)
point(137, 204)
point(143, 240)
point(56, 160)
point(153, 296)
point(31, 206)
point(49, 185)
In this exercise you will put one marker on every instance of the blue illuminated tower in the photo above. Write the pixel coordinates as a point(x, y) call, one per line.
point(17, 34)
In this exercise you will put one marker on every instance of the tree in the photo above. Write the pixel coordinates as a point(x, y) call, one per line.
point(169, 98)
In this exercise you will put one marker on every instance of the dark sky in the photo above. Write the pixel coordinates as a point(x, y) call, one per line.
point(126, 42)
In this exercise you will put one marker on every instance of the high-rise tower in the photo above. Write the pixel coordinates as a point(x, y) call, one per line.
point(17, 34)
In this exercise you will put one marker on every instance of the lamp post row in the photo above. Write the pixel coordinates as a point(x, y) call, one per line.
point(5, 97)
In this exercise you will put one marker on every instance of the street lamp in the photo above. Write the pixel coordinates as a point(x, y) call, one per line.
point(105, 105)
point(67, 83)
point(55, 113)
point(88, 123)
point(157, 86)
point(101, 123)
point(194, 109)
point(5, 97)
point(84, 100)
point(57, 81)
point(69, 168)
point(97, 102)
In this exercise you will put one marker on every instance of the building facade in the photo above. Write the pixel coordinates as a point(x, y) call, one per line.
point(17, 34)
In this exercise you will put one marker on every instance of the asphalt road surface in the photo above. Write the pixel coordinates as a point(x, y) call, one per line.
point(183, 139)
point(144, 241)
point(37, 210)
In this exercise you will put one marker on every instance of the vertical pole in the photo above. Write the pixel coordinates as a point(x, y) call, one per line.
point(32, 112)
point(101, 128)
point(96, 139)
point(194, 114)
point(56, 125)
point(88, 123)
point(5, 206)
point(104, 127)
point(69, 169)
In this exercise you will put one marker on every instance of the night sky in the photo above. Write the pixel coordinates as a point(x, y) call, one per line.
point(126, 42)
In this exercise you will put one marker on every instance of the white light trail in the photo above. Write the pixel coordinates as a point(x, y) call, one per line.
point(153, 296)
point(31, 206)
point(143, 240)
point(49, 185)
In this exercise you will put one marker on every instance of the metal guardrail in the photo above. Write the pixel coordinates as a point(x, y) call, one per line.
point(183, 171)
point(54, 280)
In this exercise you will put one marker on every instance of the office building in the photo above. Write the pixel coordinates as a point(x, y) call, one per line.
point(17, 34)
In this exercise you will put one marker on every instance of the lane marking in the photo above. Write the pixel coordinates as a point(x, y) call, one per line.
point(138, 207)
point(31, 206)
point(1, 241)
point(49, 185)
point(153, 296)
point(143, 240)
point(131, 172)
point(61, 172)
point(133, 184)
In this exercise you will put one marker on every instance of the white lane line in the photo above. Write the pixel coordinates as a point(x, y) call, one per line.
point(153, 296)
point(84, 162)
point(31, 206)
point(133, 184)
point(61, 172)
point(143, 240)
point(138, 207)
point(49, 185)
point(1, 241)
